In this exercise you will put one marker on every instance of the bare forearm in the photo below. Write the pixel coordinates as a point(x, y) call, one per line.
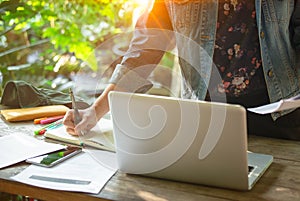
point(101, 105)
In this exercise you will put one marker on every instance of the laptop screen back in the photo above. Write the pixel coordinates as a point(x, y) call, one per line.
point(183, 140)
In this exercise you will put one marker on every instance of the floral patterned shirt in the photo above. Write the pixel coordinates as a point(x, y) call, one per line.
point(237, 50)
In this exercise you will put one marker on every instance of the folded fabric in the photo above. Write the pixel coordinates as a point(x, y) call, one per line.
point(26, 114)
point(20, 94)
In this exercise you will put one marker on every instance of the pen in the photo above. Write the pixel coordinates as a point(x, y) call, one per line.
point(43, 129)
point(76, 117)
point(38, 121)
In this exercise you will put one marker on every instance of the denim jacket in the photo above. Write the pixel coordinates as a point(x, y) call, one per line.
point(193, 24)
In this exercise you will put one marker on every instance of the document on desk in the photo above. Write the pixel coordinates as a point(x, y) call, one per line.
point(15, 148)
point(281, 105)
point(86, 172)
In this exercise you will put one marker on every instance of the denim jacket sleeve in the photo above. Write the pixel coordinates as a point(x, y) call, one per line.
point(151, 38)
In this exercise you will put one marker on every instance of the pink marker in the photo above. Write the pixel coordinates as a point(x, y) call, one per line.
point(51, 119)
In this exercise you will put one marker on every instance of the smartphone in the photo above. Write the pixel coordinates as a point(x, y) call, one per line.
point(53, 158)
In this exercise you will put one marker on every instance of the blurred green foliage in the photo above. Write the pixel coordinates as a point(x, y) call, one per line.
point(37, 35)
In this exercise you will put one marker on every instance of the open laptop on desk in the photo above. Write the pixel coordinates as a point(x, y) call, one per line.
point(184, 140)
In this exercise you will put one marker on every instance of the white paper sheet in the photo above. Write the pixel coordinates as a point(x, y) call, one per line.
point(81, 173)
point(15, 148)
point(284, 104)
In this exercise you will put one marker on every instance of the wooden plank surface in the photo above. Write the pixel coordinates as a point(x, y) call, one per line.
point(280, 182)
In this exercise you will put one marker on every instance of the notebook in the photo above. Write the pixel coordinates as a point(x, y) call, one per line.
point(184, 140)
point(99, 137)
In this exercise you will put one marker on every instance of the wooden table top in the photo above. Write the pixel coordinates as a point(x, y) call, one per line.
point(280, 182)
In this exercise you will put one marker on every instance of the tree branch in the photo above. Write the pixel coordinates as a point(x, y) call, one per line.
point(23, 47)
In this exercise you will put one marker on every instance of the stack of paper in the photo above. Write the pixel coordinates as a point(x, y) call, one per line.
point(86, 172)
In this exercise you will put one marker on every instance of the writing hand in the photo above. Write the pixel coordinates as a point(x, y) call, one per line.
point(88, 121)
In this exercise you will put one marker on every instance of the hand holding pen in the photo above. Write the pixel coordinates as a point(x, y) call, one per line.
point(79, 122)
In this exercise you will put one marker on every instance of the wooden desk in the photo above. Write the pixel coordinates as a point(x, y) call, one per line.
point(280, 182)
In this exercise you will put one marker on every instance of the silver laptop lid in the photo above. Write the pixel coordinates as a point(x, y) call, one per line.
point(183, 140)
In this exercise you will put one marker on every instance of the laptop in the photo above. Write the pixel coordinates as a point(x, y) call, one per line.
point(184, 140)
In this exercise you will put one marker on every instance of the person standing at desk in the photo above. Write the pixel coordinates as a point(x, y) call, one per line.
point(251, 47)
